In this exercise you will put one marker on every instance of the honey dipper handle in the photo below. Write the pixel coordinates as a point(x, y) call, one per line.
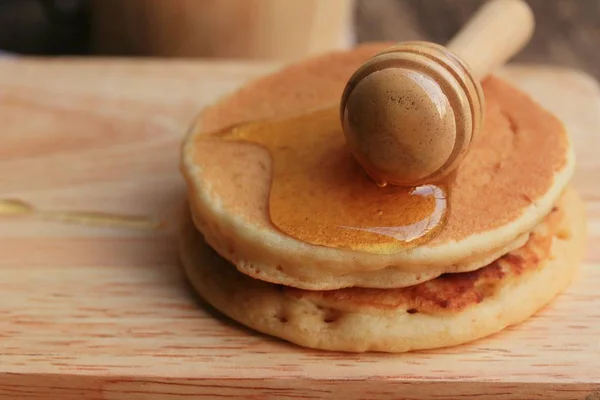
point(498, 30)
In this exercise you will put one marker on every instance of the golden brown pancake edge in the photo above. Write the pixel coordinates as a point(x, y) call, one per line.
point(466, 307)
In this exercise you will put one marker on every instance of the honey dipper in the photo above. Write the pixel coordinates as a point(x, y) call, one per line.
point(409, 113)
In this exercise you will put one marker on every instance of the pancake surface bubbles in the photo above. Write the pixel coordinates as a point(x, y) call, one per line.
point(502, 189)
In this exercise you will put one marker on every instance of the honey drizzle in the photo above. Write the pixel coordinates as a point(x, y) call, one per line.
point(320, 195)
point(17, 207)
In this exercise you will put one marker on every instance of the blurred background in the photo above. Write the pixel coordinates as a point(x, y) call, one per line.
point(567, 33)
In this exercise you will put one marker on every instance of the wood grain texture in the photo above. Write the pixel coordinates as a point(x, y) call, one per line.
point(106, 314)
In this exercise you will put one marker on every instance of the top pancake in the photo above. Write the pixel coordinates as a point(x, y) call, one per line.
point(509, 181)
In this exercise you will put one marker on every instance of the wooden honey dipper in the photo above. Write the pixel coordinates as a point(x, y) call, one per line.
point(409, 114)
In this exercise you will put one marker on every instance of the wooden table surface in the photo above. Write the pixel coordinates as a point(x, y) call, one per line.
point(98, 313)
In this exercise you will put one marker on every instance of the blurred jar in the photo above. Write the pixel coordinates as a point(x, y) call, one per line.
point(267, 29)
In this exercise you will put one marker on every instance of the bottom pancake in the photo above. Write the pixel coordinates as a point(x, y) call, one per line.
point(449, 310)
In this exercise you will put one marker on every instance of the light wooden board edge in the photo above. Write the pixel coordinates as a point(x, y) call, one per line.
point(96, 384)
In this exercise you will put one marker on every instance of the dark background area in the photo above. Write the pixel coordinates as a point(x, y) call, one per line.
point(567, 31)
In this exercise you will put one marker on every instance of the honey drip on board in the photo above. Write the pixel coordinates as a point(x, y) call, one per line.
point(17, 207)
point(320, 194)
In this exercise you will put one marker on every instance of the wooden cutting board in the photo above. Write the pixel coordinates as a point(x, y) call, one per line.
point(99, 313)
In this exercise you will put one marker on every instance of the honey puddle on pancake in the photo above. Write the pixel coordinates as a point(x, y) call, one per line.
point(320, 194)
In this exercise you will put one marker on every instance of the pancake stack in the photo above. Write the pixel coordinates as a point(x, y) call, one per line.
point(512, 241)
